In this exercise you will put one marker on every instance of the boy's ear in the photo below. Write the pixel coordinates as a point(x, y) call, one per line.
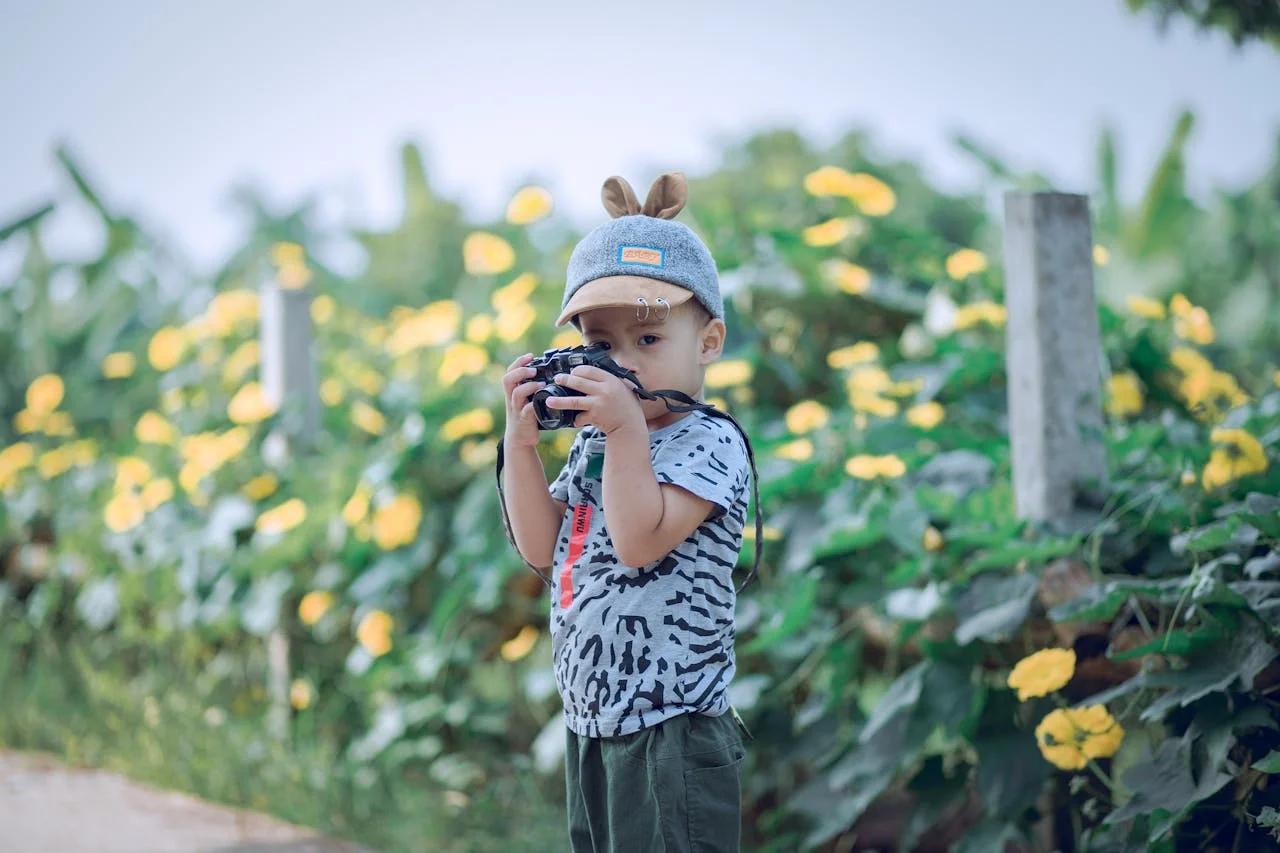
point(712, 341)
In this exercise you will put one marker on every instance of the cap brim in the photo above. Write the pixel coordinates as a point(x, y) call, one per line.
point(623, 291)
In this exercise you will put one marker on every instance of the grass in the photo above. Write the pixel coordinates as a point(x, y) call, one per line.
point(157, 725)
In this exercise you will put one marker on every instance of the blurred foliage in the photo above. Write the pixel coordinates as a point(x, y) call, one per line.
point(162, 527)
point(1241, 19)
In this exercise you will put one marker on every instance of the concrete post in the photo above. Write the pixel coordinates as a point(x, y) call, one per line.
point(288, 377)
point(1053, 352)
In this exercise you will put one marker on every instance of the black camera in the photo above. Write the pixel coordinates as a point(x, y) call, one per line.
point(556, 361)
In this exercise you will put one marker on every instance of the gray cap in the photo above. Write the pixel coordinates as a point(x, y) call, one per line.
point(641, 257)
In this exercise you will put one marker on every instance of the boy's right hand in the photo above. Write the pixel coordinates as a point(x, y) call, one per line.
point(522, 422)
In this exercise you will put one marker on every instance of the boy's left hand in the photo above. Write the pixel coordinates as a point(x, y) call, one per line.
point(607, 402)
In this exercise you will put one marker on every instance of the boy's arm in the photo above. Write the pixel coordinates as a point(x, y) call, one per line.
point(535, 515)
point(647, 520)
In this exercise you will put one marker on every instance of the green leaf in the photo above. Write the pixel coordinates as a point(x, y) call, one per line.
point(802, 595)
point(1210, 537)
point(1213, 669)
point(1165, 782)
point(1269, 764)
point(994, 606)
point(1010, 555)
point(907, 523)
point(1104, 600)
point(902, 695)
point(1178, 642)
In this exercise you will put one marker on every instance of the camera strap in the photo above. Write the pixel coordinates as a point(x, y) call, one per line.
point(683, 403)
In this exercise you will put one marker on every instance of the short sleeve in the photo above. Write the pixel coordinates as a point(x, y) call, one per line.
point(709, 459)
point(560, 485)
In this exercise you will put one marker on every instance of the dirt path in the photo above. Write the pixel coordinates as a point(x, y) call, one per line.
point(47, 807)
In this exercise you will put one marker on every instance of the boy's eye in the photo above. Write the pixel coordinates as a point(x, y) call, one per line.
point(649, 339)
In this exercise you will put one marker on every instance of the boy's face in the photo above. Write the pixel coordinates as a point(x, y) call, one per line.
point(669, 354)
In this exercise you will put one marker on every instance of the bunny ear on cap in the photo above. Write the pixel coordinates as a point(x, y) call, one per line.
point(667, 196)
point(618, 197)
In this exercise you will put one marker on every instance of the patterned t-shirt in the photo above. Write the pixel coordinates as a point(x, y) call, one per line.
point(635, 646)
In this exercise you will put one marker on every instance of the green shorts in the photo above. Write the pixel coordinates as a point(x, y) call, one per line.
point(670, 788)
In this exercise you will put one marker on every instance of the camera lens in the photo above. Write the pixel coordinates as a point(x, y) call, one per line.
point(553, 418)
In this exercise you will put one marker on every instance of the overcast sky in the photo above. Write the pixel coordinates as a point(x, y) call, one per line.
point(170, 104)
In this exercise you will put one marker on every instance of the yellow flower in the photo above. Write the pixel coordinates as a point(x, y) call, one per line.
point(479, 328)
point(906, 387)
point(514, 294)
point(1144, 306)
point(282, 518)
point(285, 253)
point(477, 454)
point(152, 428)
point(376, 334)
point(827, 233)
point(1190, 360)
point(1188, 478)
point(771, 533)
point(798, 450)
point(727, 373)
point(1069, 737)
point(13, 459)
point(963, 263)
point(55, 462)
point(374, 633)
point(301, 694)
point(806, 416)
point(515, 321)
point(124, 512)
point(261, 486)
point(119, 365)
point(44, 394)
point(873, 404)
point(968, 316)
point(166, 348)
point(293, 276)
point(828, 180)
point(357, 506)
point(331, 392)
point(462, 359)
point(322, 308)
point(932, 539)
point(1124, 394)
point(926, 415)
point(396, 523)
point(1101, 255)
point(231, 308)
point(1042, 673)
point(845, 276)
point(1180, 306)
point(570, 337)
point(157, 492)
point(859, 353)
point(434, 325)
point(1195, 326)
point(869, 379)
point(1239, 455)
point(131, 471)
point(241, 361)
point(314, 605)
point(368, 418)
point(26, 421)
point(473, 422)
point(486, 254)
point(250, 405)
point(872, 196)
point(867, 467)
point(83, 452)
point(521, 644)
point(529, 204)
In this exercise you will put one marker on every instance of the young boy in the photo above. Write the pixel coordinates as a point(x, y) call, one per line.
point(643, 527)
